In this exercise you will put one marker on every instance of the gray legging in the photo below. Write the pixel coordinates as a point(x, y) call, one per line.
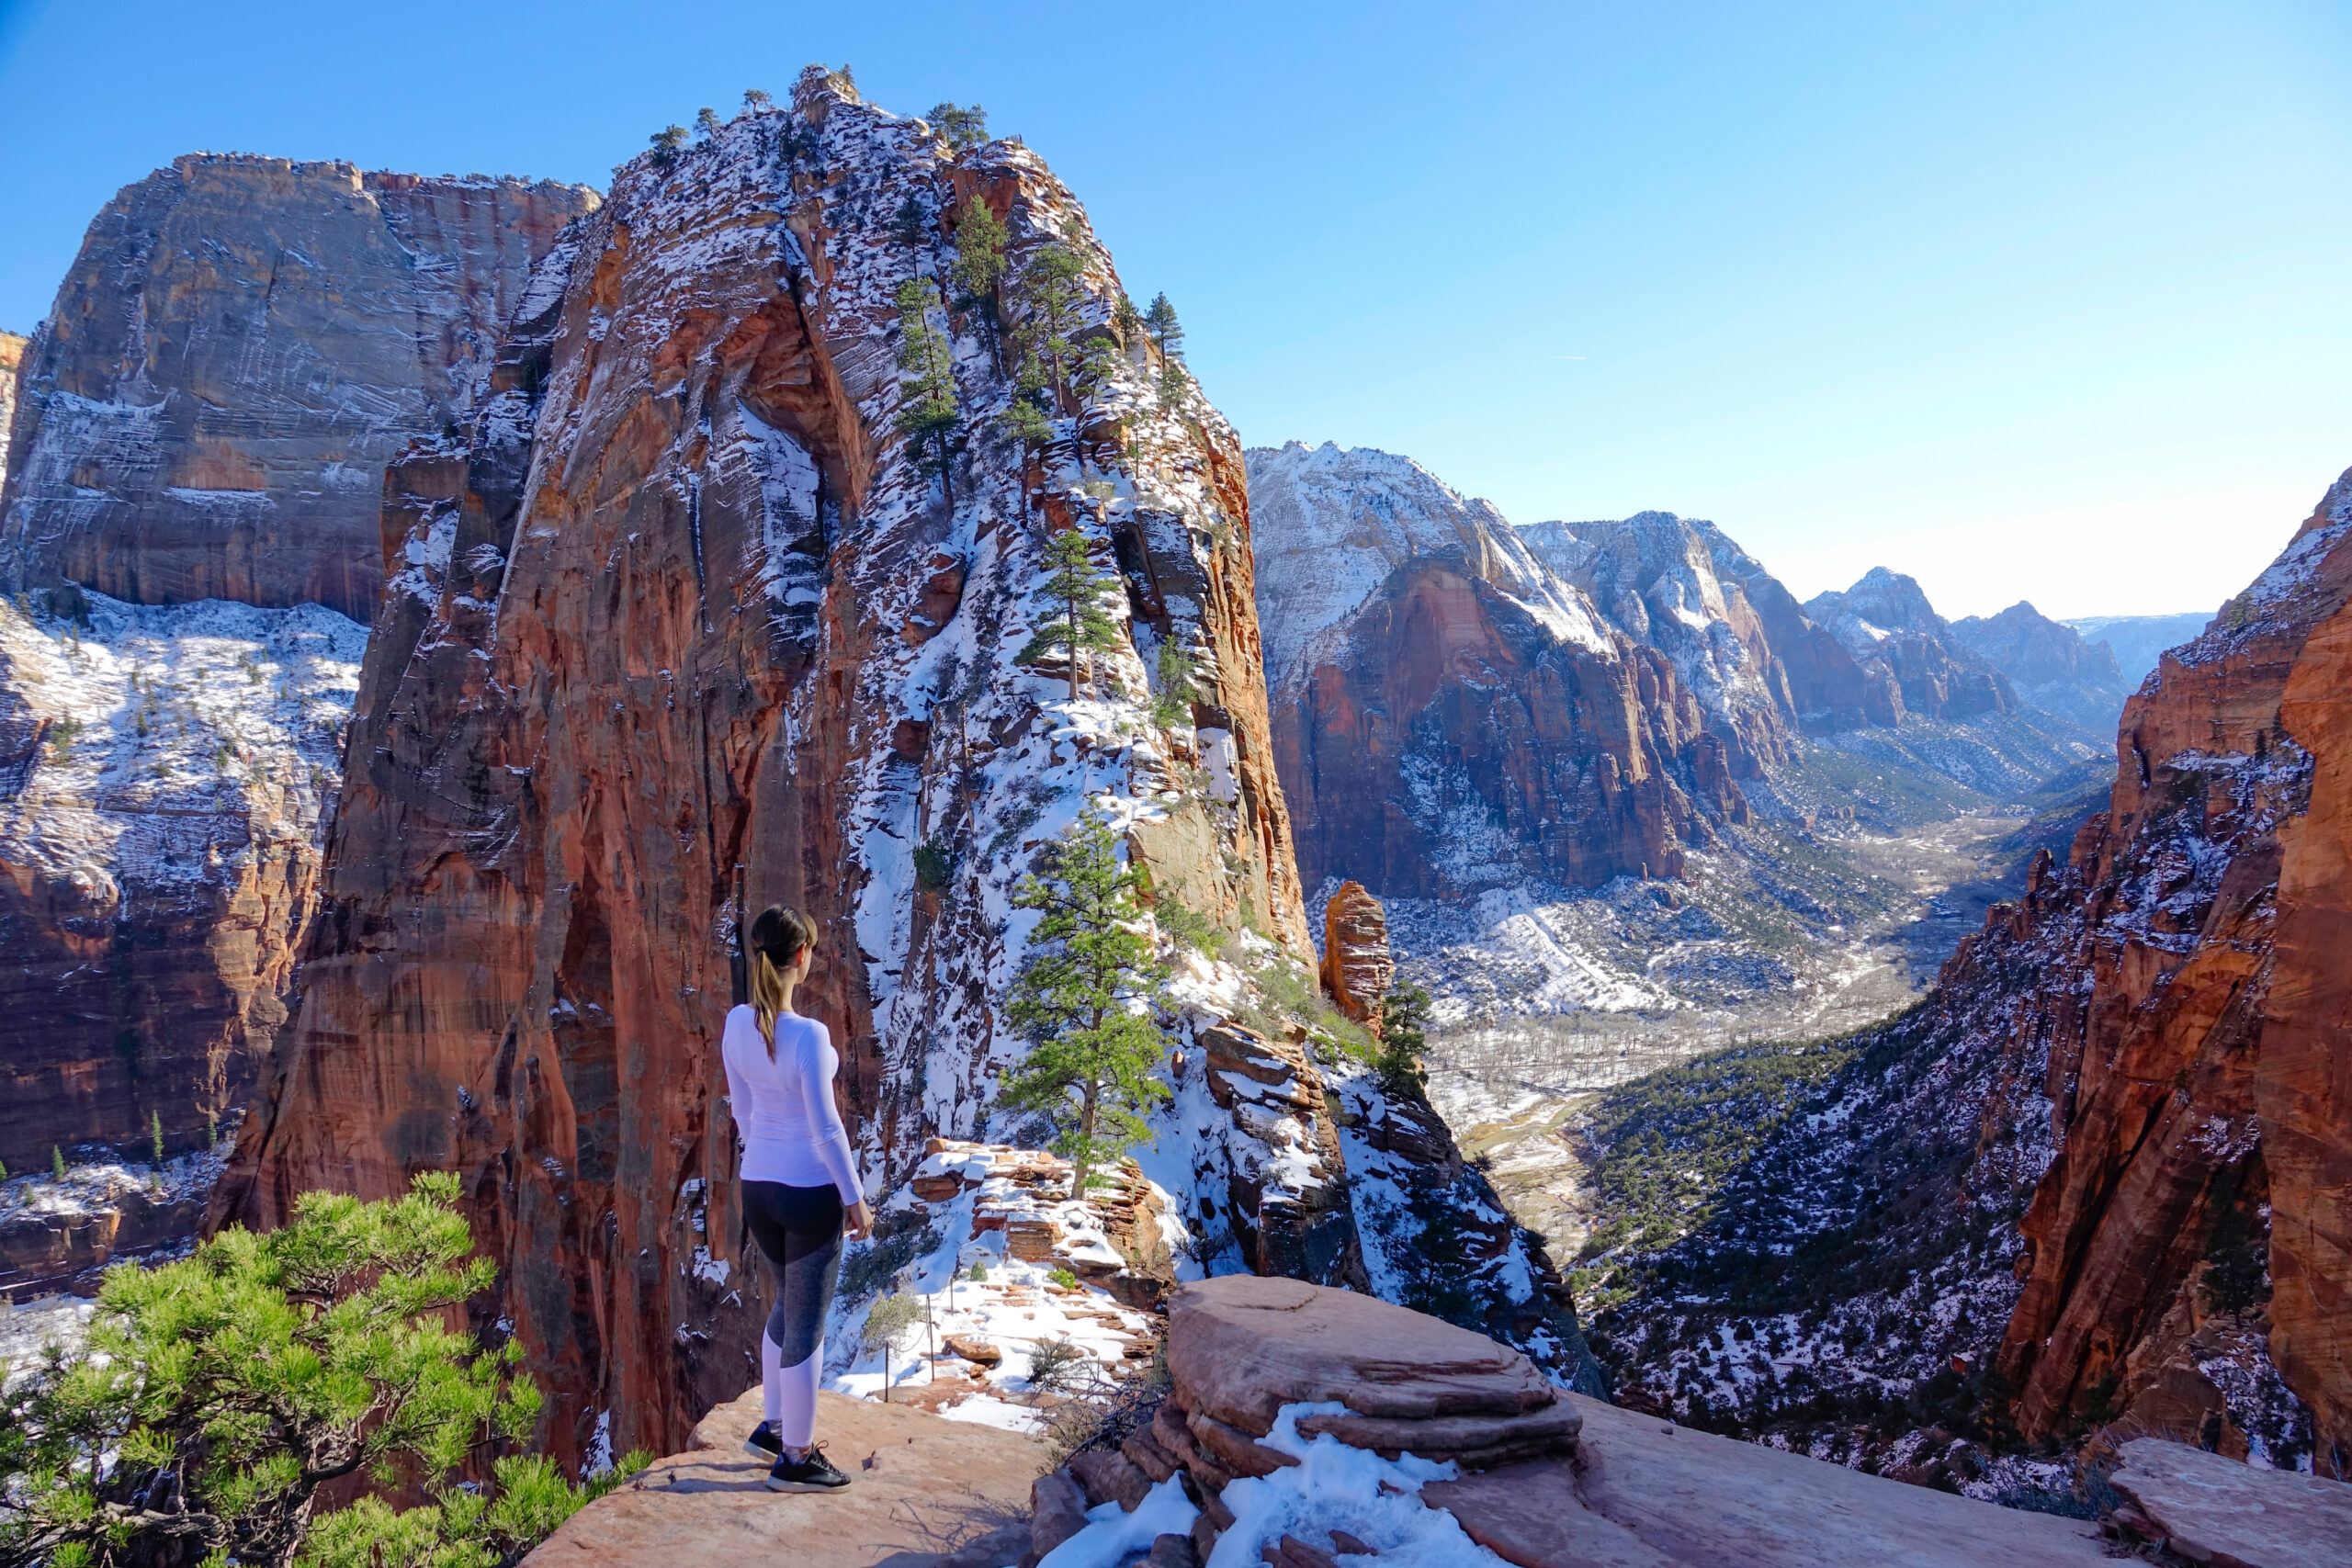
point(800, 1229)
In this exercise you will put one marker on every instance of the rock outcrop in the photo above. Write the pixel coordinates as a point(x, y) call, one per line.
point(682, 614)
point(1885, 620)
point(1358, 968)
point(2198, 1081)
point(2050, 665)
point(2139, 641)
point(12, 363)
point(241, 346)
point(1449, 715)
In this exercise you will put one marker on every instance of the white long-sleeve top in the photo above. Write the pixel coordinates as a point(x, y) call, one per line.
point(792, 1130)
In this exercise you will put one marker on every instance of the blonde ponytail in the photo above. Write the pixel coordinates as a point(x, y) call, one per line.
point(778, 938)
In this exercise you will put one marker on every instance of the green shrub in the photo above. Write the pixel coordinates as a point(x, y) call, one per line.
point(233, 1387)
point(979, 1272)
point(1064, 1278)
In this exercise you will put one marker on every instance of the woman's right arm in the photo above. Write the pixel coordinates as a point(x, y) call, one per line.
point(738, 1096)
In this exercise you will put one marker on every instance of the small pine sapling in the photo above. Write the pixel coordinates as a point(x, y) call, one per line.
point(57, 1162)
point(1172, 708)
point(910, 226)
point(979, 1272)
point(1084, 1001)
point(889, 1322)
point(1075, 589)
point(155, 1135)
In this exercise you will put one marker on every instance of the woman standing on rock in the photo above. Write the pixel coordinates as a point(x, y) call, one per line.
point(801, 1189)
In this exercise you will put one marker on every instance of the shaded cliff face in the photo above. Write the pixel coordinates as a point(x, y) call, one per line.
point(2050, 665)
point(2138, 641)
point(1449, 715)
point(680, 605)
point(240, 347)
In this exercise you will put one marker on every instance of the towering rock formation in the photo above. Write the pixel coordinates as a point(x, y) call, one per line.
point(2199, 1083)
point(682, 613)
point(241, 345)
point(2050, 665)
point(1885, 620)
point(207, 412)
point(1449, 715)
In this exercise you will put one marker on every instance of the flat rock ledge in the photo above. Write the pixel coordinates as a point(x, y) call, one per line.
point(1549, 1479)
point(923, 1492)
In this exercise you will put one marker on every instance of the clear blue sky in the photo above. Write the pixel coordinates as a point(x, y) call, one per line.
point(2045, 302)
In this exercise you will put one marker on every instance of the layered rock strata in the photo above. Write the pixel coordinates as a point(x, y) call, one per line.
point(165, 775)
point(680, 617)
point(1358, 968)
point(12, 363)
point(1449, 715)
point(241, 346)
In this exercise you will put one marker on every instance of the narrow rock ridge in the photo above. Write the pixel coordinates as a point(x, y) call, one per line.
point(680, 609)
point(240, 347)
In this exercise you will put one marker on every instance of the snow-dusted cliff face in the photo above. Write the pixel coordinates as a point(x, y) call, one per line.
point(1451, 715)
point(1679, 586)
point(1885, 620)
point(683, 613)
point(164, 774)
point(241, 345)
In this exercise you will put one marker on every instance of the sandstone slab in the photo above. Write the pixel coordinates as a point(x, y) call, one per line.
point(923, 1490)
point(2216, 1510)
point(1242, 1347)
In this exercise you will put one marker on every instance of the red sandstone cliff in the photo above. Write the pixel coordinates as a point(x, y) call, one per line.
point(681, 605)
point(12, 362)
point(2196, 1011)
point(239, 348)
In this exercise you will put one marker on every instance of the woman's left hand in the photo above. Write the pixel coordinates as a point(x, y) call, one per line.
point(858, 1223)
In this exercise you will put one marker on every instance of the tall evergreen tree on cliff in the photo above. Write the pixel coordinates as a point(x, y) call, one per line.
point(911, 226)
point(1080, 625)
point(978, 272)
point(1051, 288)
point(1168, 336)
point(1093, 1054)
point(927, 416)
point(964, 128)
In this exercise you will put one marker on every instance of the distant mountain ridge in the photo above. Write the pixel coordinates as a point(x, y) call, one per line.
point(2051, 664)
point(2138, 641)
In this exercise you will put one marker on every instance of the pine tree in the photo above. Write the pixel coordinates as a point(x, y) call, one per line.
point(706, 121)
point(666, 142)
point(911, 226)
point(1127, 321)
point(978, 273)
point(230, 1389)
point(1094, 1058)
point(1051, 288)
point(963, 128)
point(156, 1131)
point(1404, 1030)
point(757, 101)
point(1177, 691)
point(1168, 336)
point(1024, 419)
point(927, 416)
point(1075, 589)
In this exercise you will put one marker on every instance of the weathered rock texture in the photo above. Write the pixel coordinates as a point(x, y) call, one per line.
point(1449, 715)
point(2050, 665)
point(240, 347)
point(681, 607)
point(923, 1492)
point(164, 777)
point(2198, 1080)
point(1357, 966)
point(2209, 1510)
point(12, 362)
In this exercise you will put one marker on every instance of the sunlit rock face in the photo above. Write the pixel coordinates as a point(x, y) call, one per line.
point(679, 612)
point(2050, 665)
point(241, 346)
point(1450, 714)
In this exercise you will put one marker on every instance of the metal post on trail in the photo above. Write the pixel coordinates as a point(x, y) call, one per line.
point(931, 1339)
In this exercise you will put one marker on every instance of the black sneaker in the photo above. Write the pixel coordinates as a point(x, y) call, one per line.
point(815, 1474)
point(764, 1443)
